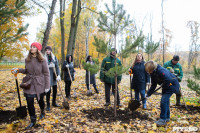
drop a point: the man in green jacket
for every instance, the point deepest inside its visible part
(175, 67)
(107, 63)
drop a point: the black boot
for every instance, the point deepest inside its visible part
(33, 122)
(96, 89)
(48, 107)
(42, 115)
(178, 99)
(54, 104)
(48, 100)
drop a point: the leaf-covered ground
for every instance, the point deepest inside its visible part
(88, 114)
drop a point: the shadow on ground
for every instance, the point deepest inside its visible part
(107, 115)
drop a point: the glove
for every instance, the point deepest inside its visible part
(14, 70)
(179, 79)
(147, 97)
(51, 65)
(130, 71)
(58, 78)
(118, 81)
(67, 65)
(148, 85)
(47, 90)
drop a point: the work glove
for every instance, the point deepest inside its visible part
(148, 85)
(130, 71)
(15, 71)
(67, 66)
(47, 90)
(51, 65)
(179, 79)
(58, 78)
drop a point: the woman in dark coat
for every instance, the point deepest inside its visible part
(92, 76)
(170, 85)
(53, 65)
(140, 78)
(68, 64)
(35, 67)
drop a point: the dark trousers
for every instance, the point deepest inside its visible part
(54, 95)
(67, 88)
(107, 92)
(94, 85)
(178, 97)
(30, 103)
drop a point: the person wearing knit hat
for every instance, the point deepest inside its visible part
(53, 66)
(37, 45)
(36, 69)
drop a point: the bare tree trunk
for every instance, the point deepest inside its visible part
(62, 14)
(87, 24)
(74, 26)
(163, 33)
(48, 27)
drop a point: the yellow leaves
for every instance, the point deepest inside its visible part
(154, 126)
(154, 110)
(151, 131)
(92, 8)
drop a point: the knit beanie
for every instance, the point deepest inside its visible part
(48, 47)
(37, 45)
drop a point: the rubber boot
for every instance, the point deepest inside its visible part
(178, 100)
(42, 115)
(96, 89)
(33, 122)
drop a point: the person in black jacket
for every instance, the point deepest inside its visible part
(92, 76)
(140, 78)
(68, 64)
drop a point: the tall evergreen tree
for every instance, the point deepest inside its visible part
(114, 22)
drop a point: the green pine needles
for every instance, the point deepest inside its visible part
(193, 85)
(92, 68)
(119, 70)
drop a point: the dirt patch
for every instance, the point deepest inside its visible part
(107, 115)
(8, 116)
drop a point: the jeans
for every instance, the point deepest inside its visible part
(107, 91)
(142, 93)
(164, 105)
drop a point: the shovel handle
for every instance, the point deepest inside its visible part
(20, 104)
(58, 84)
(153, 92)
(70, 78)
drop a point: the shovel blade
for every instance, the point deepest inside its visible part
(133, 104)
(21, 111)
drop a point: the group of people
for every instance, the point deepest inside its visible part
(167, 76)
(44, 70)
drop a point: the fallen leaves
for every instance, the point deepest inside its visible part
(88, 113)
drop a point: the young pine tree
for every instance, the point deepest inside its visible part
(192, 84)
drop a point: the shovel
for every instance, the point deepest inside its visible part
(136, 104)
(74, 94)
(64, 103)
(131, 102)
(21, 110)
